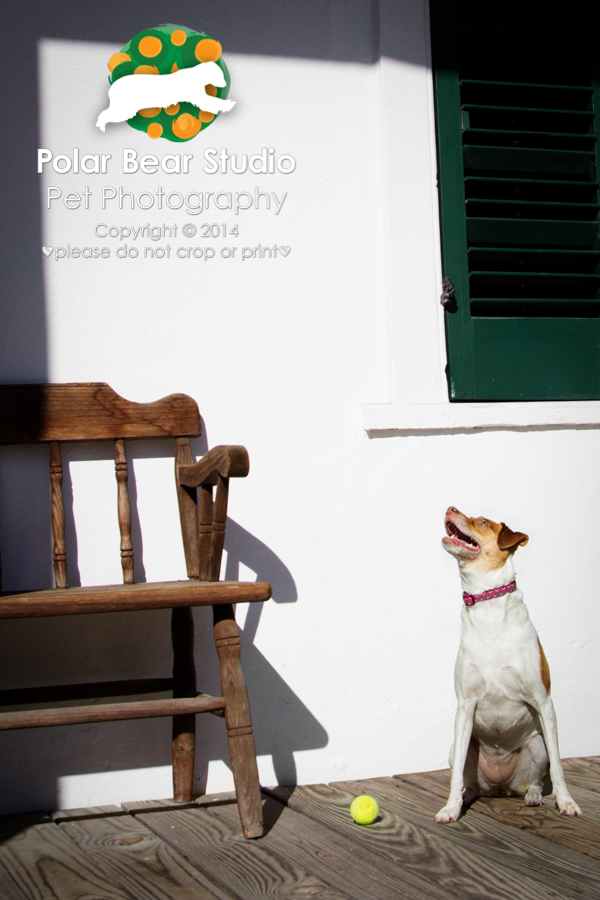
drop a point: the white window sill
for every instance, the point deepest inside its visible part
(436, 417)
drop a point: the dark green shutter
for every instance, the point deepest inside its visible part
(517, 87)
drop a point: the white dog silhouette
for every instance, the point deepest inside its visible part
(133, 92)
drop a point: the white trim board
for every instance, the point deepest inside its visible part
(423, 417)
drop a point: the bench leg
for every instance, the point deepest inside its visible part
(238, 721)
(184, 685)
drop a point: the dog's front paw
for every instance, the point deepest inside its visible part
(449, 813)
(533, 797)
(567, 806)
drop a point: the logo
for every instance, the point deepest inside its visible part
(170, 82)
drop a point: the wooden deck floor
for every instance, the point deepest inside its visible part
(155, 851)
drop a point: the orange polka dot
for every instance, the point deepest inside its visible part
(186, 126)
(155, 130)
(172, 110)
(146, 70)
(174, 68)
(150, 111)
(205, 116)
(116, 60)
(150, 46)
(211, 90)
(208, 50)
(178, 37)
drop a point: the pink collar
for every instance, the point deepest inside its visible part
(472, 599)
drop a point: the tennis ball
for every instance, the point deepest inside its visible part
(364, 810)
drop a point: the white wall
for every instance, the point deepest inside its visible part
(350, 665)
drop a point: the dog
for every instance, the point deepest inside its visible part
(505, 733)
(133, 92)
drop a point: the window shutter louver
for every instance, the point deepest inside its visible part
(516, 95)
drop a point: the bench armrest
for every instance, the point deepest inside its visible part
(227, 461)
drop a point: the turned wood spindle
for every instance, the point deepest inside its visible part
(205, 530)
(237, 718)
(124, 510)
(218, 527)
(184, 685)
(188, 509)
(57, 509)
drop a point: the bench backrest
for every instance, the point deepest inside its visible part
(50, 413)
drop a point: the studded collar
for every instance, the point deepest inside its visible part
(472, 599)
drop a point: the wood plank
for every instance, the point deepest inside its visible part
(580, 835)
(135, 806)
(408, 837)
(585, 768)
(42, 863)
(395, 843)
(546, 863)
(11, 825)
(588, 762)
(298, 845)
(140, 863)
(217, 799)
(589, 801)
(250, 870)
(88, 812)
(130, 597)
(578, 779)
(436, 782)
(94, 411)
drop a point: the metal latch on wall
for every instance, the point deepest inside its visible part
(448, 297)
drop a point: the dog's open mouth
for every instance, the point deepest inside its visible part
(457, 537)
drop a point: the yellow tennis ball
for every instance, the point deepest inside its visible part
(364, 809)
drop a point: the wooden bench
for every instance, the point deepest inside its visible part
(51, 413)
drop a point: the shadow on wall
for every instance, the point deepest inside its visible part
(282, 722)
(69, 649)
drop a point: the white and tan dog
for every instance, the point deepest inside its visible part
(505, 733)
(133, 92)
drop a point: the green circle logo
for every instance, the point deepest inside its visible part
(176, 108)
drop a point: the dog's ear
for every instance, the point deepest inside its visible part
(510, 540)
